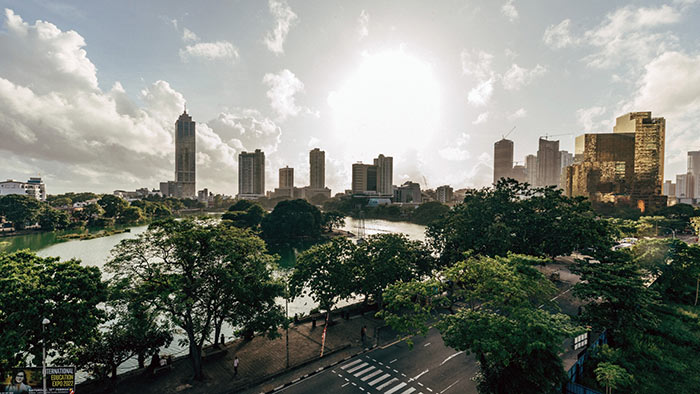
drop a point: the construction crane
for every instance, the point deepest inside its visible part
(546, 136)
(425, 182)
(508, 133)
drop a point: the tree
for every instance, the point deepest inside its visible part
(387, 258)
(515, 218)
(332, 219)
(292, 222)
(19, 209)
(675, 265)
(428, 212)
(131, 215)
(612, 376)
(325, 271)
(515, 340)
(197, 272)
(51, 219)
(34, 288)
(112, 205)
(250, 217)
(616, 296)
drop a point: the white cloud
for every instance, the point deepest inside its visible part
(454, 154)
(363, 22)
(517, 77)
(559, 36)
(588, 117)
(520, 113)
(284, 17)
(283, 86)
(508, 9)
(482, 118)
(477, 64)
(219, 50)
(481, 94)
(189, 36)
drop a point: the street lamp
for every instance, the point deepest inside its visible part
(44, 323)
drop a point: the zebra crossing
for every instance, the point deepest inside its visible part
(378, 376)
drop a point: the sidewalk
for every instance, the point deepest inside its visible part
(262, 361)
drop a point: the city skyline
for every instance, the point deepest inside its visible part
(356, 81)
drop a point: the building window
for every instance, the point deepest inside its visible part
(581, 341)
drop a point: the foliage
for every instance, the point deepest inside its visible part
(326, 272)
(52, 219)
(34, 288)
(675, 263)
(386, 258)
(515, 341)
(112, 205)
(197, 273)
(292, 222)
(21, 210)
(515, 218)
(332, 219)
(612, 376)
(428, 212)
(245, 215)
(695, 223)
(130, 215)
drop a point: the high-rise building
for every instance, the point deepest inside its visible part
(34, 187)
(566, 159)
(502, 159)
(444, 194)
(548, 163)
(317, 166)
(286, 178)
(409, 192)
(649, 145)
(385, 175)
(669, 189)
(185, 156)
(251, 174)
(531, 168)
(519, 173)
(694, 162)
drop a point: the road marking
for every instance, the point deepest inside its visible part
(347, 380)
(345, 384)
(380, 363)
(333, 370)
(364, 371)
(396, 371)
(355, 368)
(448, 387)
(420, 384)
(370, 376)
(451, 357)
(353, 383)
(392, 361)
(362, 388)
(409, 391)
(379, 379)
(387, 383)
(427, 344)
(419, 375)
(278, 388)
(429, 389)
(395, 389)
(350, 364)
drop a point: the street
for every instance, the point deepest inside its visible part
(430, 367)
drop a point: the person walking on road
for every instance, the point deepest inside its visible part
(235, 366)
(363, 334)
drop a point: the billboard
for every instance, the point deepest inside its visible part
(59, 380)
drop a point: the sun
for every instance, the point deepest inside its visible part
(389, 104)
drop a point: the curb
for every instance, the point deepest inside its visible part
(319, 370)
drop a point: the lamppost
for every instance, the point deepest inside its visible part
(44, 323)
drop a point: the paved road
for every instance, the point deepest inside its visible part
(429, 368)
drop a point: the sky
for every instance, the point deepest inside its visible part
(90, 90)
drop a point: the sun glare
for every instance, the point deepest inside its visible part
(390, 103)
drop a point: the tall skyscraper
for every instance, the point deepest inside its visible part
(286, 178)
(694, 162)
(502, 159)
(185, 157)
(531, 168)
(317, 166)
(548, 163)
(251, 174)
(385, 175)
(649, 145)
(364, 178)
(444, 194)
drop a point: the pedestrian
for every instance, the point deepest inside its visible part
(222, 339)
(235, 366)
(363, 333)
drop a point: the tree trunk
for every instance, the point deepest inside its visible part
(114, 371)
(195, 356)
(141, 359)
(217, 331)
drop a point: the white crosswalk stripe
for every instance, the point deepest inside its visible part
(353, 369)
(379, 379)
(396, 388)
(387, 383)
(373, 374)
(364, 371)
(409, 391)
(350, 364)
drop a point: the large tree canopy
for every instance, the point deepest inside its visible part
(34, 288)
(512, 217)
(198, 273)
(20, 210)
(292, 222)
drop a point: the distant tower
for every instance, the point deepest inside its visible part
(548, 163)
(502, 159)
(286, 178)
(649, 142)
(185, 156)
(531, 167)
(317, 164)
(385, 175)
(251, 174)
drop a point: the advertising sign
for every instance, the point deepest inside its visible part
(59, 380)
